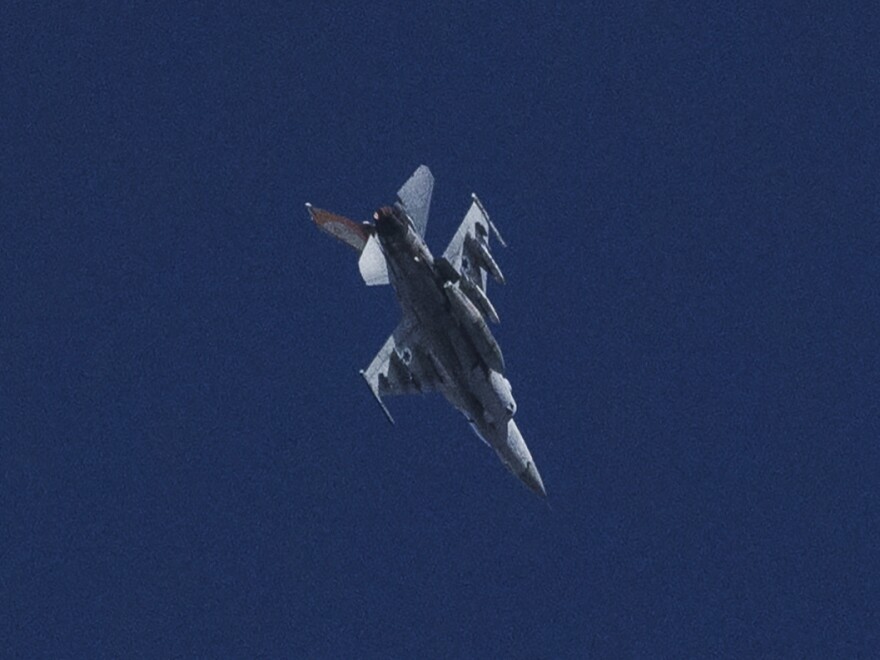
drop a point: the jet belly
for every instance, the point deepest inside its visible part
(461, 342)
(415, 282)
(411, 274)
(463, 349)
(443, 343)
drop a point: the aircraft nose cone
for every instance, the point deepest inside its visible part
(532, 479)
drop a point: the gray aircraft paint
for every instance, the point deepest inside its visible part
(442, 343)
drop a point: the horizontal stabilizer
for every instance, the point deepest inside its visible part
(415, 198)
(372, 264)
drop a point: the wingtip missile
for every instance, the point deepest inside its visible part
(377, 397)
(492, 226)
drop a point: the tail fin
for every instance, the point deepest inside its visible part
(343, 229)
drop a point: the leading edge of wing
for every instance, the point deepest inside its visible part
(401, 366)
(468, 252)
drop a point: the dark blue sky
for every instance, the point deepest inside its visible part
(191, 464)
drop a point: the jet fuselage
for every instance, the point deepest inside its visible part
(462, 349)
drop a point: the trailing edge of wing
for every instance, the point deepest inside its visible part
(401, 367)
(468, 251)
(488, 219)
(375, 390)
(339, 227)
(415, 198)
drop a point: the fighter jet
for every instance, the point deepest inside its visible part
(442, 343)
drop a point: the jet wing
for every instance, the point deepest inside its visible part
(402, 366)
(414, 198)
(468, 253)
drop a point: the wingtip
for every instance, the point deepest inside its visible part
(381, 403)
(489, 220)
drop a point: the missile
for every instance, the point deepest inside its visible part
(479, 298)
(481, 255)
(475, 326)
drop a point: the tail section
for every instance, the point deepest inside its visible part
(340, 228)
(415, 198)
(372, 264)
